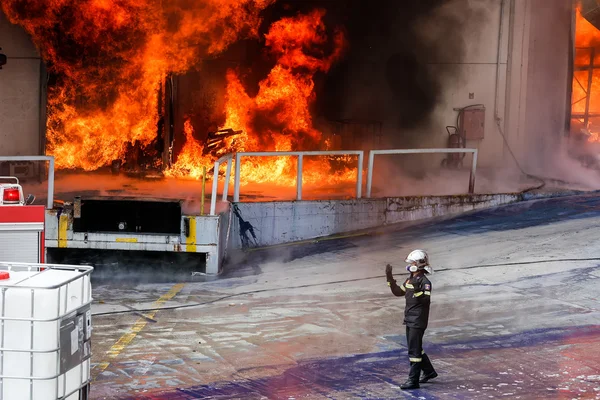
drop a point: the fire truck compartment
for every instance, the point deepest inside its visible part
(139, 226)
(141, 216)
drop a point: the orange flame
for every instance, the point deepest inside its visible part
(283, 100)
(278, 118)
(190, 161)
(112, 56)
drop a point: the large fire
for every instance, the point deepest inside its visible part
(112, 56)
(587, 43)
(278, 117)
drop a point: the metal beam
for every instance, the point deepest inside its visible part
(588, 92)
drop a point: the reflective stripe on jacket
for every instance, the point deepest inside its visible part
(417, 292)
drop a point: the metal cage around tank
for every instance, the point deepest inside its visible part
(63, 313)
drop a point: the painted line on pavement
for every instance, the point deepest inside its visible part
(136, 328)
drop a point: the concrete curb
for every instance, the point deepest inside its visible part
(402, 218)
(554, 194)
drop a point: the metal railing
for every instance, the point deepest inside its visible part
(215, 183)
(373, 153)
(300, 155)
(50, 159)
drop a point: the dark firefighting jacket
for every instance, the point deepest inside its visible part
(417, 292)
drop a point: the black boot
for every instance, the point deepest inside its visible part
(413, 377)
(428, 371)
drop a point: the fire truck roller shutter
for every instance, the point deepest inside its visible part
(22, 233)
(20, 246)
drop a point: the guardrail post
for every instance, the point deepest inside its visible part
(51, 183)
(359, 173)
(370, 172)
(236, 179)
(299, 178)
(215, 183)
(227, 179)
(473, 170)
(203, 191)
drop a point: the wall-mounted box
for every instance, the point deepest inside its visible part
(472, 123)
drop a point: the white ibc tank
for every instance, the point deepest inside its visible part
(34, 306)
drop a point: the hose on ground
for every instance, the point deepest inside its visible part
(199, 304)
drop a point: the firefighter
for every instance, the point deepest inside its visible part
(416, 289)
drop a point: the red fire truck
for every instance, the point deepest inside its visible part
(21, 224)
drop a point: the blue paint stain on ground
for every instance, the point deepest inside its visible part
(503, 218)
(378, 375)
(524, 215)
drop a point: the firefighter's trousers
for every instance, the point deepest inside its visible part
(416, 355)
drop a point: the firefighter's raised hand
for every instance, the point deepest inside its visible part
(388, 272)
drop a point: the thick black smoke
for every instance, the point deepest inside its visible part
(387, 72)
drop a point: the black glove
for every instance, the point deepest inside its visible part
(388, 273)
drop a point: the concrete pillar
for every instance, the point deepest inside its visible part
(538, 79)
(21, 106)
(516, 79)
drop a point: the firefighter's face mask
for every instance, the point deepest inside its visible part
(412, 268)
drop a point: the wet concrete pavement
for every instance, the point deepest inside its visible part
(515, 314)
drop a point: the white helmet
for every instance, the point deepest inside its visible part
(420, 259)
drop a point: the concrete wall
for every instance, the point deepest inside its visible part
(20, 93)
(516, 63)
(281, 222)
(480, 72)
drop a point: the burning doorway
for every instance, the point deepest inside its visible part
(124, 87)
